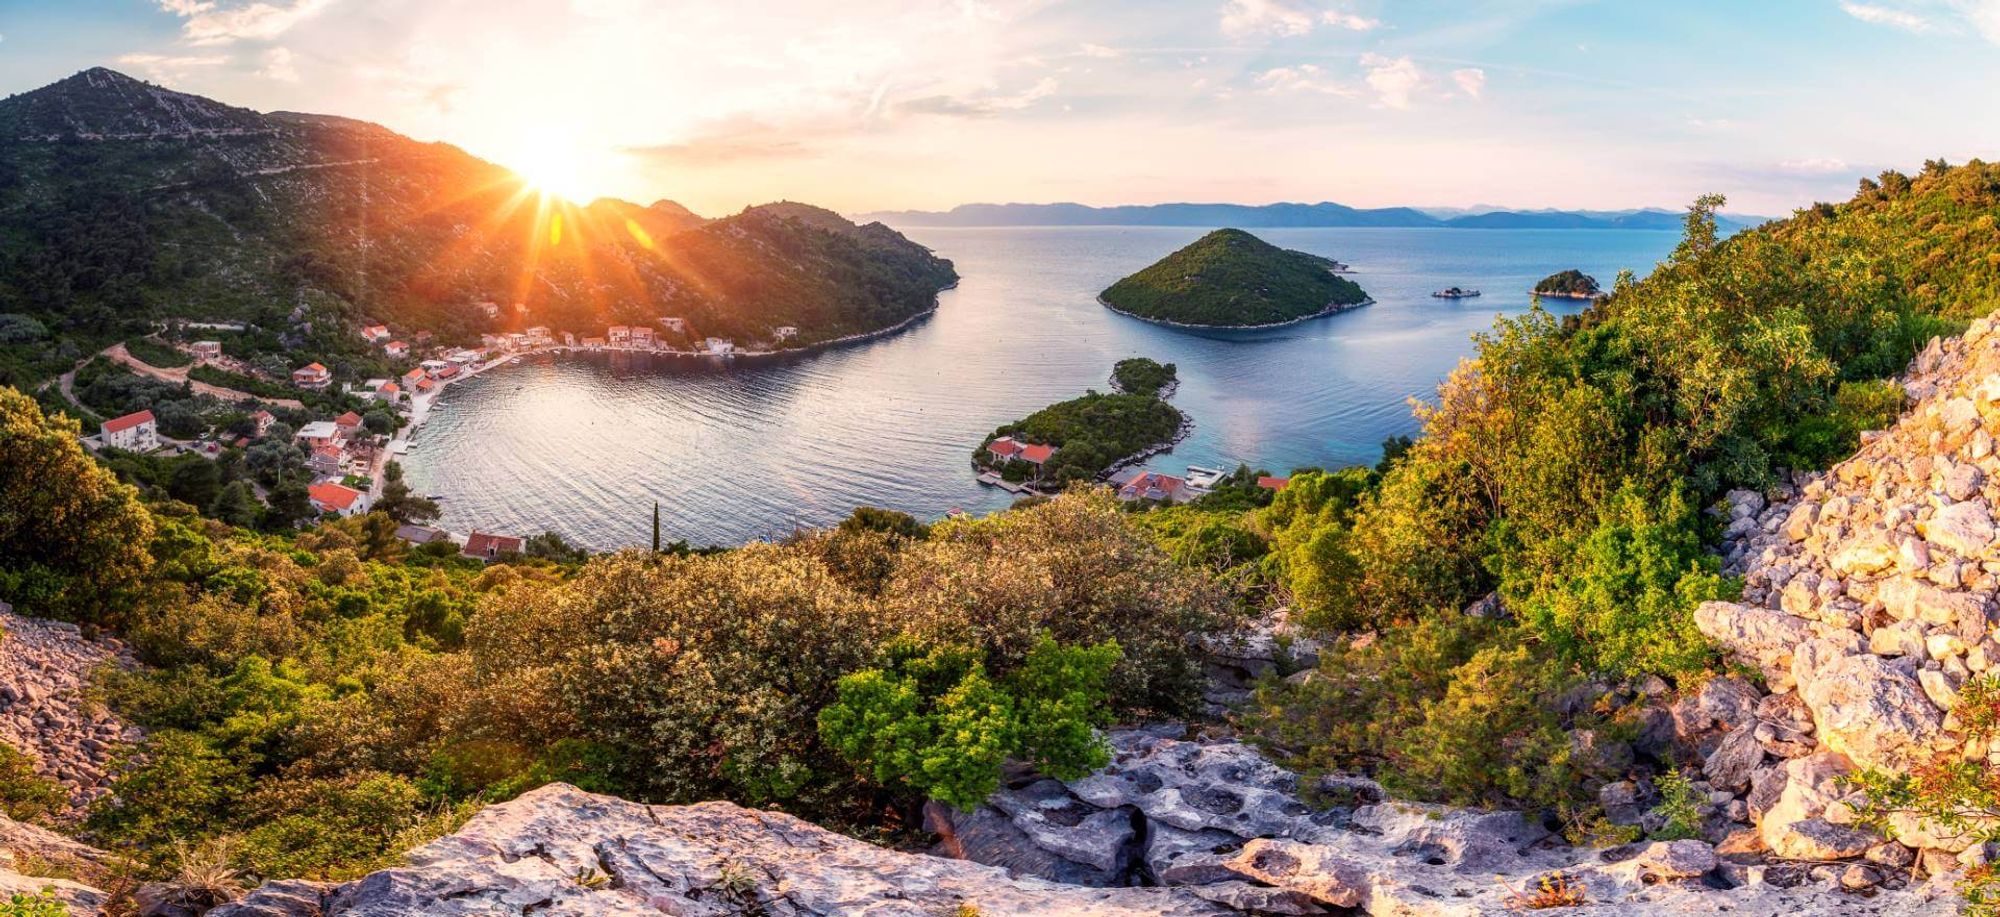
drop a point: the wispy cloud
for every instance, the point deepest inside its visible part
(1350, 21)
(1266, 17)
(982, 104)
(1102, 52)
(1470, 80)
(170, 68)
(1882, 15)
(208, 23)
(1304, 78)
(1394, 79)
(279, 65)
(1815, 165)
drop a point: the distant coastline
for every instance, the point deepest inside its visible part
(1291, 216)
(1331, 309)
(1565, 295)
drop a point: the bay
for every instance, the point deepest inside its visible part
(749, 448)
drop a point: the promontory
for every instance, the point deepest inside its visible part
(1232, 279)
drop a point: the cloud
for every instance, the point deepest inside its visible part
(210, 24)
(1098, 51)
(278, 65)
(1304, 78)
(170, 68)
(1394, 79)
(1882, 15)
(1818, 165)
(1470, 80)
(1266, 17)
(980, 105)
(1349, 21)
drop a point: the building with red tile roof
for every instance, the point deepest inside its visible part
(490, 547)
(1153, 485)
(1270, 483)
(1003, 449)
(328, 497)
(312, 375)
(1036, 454)
(138, 432)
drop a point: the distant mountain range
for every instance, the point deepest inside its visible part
(1269, 216)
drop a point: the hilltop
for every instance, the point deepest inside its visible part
(1230, 278)
(123, 203)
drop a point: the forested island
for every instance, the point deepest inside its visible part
(1083, 438)
(1569, 284)
(1232, 279)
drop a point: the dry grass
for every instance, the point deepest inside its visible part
(1553, 890)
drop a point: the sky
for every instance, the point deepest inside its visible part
(863, 105)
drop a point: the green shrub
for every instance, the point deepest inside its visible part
(933, 722)
(26, 795)
(42, 904)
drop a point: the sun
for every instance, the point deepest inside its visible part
(555, 164)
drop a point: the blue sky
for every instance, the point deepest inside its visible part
(868, 104)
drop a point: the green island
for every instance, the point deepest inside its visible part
(1141, 376)
(1569, 284)
(1084, 438)
(1232, 279)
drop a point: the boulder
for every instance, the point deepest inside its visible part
(1795, 827)
(1874, 713)
(1760, 635)
(1315, 871)
(1730, 765)
(1965, 529)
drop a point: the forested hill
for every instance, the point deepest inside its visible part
(123, 201)
(1230, 278)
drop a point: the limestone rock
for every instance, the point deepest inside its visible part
(1874, 713)
(560, 851)
(1966, 529)
(1765, 637)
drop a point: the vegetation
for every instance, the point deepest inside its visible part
(1092, 433)
(1230, 278)
(1569, 284)
(154, 353)
(1140, 376)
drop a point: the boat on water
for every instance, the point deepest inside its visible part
(1454, 293)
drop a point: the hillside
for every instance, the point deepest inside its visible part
(1569, 284)
(122, 202)
(1230, 278)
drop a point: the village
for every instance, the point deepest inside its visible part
(348, 457)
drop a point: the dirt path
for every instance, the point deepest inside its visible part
(179, 375)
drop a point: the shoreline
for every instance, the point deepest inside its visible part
(1334, 309)
(420, 409)
(1583, 296)
(1182, 433)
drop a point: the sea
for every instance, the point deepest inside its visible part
(738, 449)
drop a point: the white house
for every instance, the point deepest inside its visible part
(721, 346)
(136, 432)
(312, 375)
(396, 350)
(205, 350)
(328, 497)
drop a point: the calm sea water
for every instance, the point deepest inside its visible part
(749, 448)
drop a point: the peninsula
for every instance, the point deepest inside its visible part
(1232, 279)
(1088, 437)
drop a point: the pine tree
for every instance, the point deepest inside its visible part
(656, 526)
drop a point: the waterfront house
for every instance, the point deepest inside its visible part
(518, 342)
(389, 392)
(263, 420)
(396, 350)
(1003, 450)
(490, 547)
(569, 340)
(205, 350)
(539, 336)
(721, 346)
(464, 357)
(375, 334)
(328, 497)
(619, 334)
(433, 366)
(593, 343)
(411, 378)
(1036, 455)
(642, 335)
(785, 332)
(312, 376)
(1153, 485)
(1270, 483)
(450, 371)
(493, 341)
(138, 432)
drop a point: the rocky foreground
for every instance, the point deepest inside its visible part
(45, 712)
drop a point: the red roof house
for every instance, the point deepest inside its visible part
(1270, 483)
(138, 432)
(489, 547)
(328, 497)
(1036, 454)
(1004, 448)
